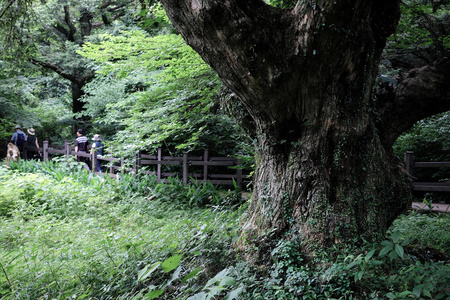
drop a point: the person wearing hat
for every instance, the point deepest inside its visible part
(19, 139)
(97, 145)
(33, 144)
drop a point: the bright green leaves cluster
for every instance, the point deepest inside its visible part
(156, 90)
(421, 25)
(394, 247)
(136, 49)
(218, 284)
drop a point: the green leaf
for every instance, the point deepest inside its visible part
(393, 255)
(399, 250)
(405, 293)
(390, 295)
(175, 276)
(405, 242)
(386, 243)
(171, 263)
(396, 236)
(351, 265)
(374, 263)
(191, 275)
(359, 275)
(217, 278)
(154, 294)
(228, 281)
(417, 291)
(233, 294)
(199, 296)
(145, 272)
(385, 250)
(426, 293)
(369, 255)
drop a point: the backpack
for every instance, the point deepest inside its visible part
(20, 139)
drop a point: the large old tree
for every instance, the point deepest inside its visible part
(306, 77)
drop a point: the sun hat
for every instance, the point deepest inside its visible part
(31, 131)
(17, 127)
(96, 137)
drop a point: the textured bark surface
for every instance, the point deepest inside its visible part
(420, 93)
(305, 77)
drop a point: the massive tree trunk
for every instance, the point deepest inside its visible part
(324, 171)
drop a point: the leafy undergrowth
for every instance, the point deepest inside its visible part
(85, 237)
(65, 234)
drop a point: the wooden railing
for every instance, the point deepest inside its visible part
(141, 163)
(410, 165)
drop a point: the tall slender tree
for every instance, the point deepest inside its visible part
(305, 76)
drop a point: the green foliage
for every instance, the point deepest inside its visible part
(66, 234)
(396, 273)
(421, 26)
(425, 230)
(428, 139)
(282, 3)
(164, 95)
(293, 275)
(216, 286)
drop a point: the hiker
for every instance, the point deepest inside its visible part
(81, 145)
(32, 145)
(97, 145)
(19, 139)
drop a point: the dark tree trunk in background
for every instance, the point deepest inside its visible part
(74, 25)
(306, 78)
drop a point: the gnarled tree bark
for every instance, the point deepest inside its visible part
(305, 76)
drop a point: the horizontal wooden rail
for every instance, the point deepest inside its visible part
(182, 163)
(410, 164)
(431, 186)
(431, 164)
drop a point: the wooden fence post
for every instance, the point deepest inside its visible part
(239, 172)
(205, 167)
(158, 166)
(137, 162)
(67, 149)
(409, 162)
(45, 151)
(185, 167)
(94, 160)
(111, 166)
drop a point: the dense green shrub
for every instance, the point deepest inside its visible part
(73, 235)
(429, 141)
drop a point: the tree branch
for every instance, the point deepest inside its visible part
(72, 28)
(421, 93)
(61, 29)
(80, 80)
(6, 8)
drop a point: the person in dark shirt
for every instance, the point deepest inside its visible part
(33, 144)
(19, 139)
(81, 145)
